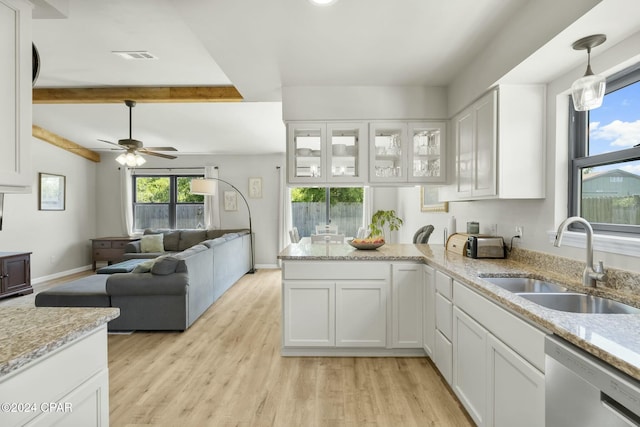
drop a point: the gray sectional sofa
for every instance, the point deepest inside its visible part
(170, 292)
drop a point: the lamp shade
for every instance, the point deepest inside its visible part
(130, 159)
(588, 92)
(203, 186)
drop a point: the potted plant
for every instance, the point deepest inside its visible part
(382, 219)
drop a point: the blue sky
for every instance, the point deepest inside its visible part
(616, 124)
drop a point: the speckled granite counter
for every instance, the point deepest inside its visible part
(614, 338)
(27, 333)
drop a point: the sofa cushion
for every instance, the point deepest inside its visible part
(152, 243)
(171, 241)
(164, 265)
(88, 291)
(190, 238)
(144, 267)
(213, 242)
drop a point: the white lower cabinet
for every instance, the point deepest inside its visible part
(428, 310)
(496, 363)
(469, 365)
(309, 313)
(516, 389)
(361, 314)
(406, 311)
(443, 356)
(443, 348)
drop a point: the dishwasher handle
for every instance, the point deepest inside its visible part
(620, 411)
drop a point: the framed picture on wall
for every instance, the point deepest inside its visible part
(230, 201)
(429, 200)
(255, 188)
(51, 192)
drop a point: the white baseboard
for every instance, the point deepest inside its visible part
(53, 276)
(266, 266)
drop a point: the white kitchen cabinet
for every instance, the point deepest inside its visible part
(499, 144)
(361, 313)
(15, 99)
(309, 313)
(321, 153)
(407, 152)
(470, 365)
(68, 387)
(428, 310)
(515, 394)
(406, 289)
(443, 352)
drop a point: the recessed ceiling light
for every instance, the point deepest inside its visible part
(322, 2)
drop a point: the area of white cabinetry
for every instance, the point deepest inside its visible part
(406, 312)
(499, 144)
(407, 152)
(309, 313)
(15, 102)
(321, 153)
(74, 379)
(428, 310)
(443, 349)
(498, 362)
(361, 313)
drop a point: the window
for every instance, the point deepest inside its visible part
(312, 206)
(166, 202)
(604, 151)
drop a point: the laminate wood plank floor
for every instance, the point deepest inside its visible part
(226, 370)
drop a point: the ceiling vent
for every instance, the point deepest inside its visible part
(134, 54)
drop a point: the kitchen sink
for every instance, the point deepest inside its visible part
(524, 284)
(579, 303)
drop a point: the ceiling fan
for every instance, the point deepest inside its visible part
(134, 148)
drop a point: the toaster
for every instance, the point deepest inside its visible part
(485, 247)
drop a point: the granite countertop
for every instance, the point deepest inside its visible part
(27, 333)
(614, 338)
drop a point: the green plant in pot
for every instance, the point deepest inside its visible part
(382, 220)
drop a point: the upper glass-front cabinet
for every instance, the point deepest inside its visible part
(326, 152)
(407, 152)
(427, 160)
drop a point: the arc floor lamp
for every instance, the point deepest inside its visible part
(206, 187)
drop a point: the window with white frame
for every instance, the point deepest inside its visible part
(604, 152)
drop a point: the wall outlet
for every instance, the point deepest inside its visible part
(519, 230)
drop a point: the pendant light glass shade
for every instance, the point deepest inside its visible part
(131, 159)
(588, 91)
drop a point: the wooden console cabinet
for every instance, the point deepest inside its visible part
(109, 249)
(15, 273)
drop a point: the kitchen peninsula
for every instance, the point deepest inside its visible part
(53, 365)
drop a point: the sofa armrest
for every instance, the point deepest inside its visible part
(127, 284)
(133, 247)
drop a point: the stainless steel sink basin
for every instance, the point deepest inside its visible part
(524, 284)
(580, 303)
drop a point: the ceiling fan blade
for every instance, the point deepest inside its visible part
(160, 148)
(112, 143)
(153, 153)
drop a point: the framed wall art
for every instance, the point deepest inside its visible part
(429, 200)
(255, 188)
(230, 201)
(51, 192)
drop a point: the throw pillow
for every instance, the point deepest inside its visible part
(152, 243)
(164, 265)
(143, 267)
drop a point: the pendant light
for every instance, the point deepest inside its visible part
(588, 91)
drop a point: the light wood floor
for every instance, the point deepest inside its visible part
(226, 370)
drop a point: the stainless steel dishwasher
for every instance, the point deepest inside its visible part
(583, 391)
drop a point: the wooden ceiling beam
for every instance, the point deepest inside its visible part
(149, 94)
(64, 143)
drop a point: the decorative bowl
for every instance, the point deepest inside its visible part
(365, 246)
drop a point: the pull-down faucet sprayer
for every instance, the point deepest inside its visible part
(591, 274)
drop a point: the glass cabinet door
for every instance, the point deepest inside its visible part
(427, 152)
(306, 152)
(345, 151)
(388, 152)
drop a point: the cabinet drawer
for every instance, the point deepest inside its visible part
(101, 244)
(443, 356)
(523, 338)
(107, 254)
(343, 270)
(444, 285)
(119, 244)
(444, 316)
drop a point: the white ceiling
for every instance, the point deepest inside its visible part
(258, 46)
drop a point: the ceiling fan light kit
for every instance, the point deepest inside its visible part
(132, 157)
(588, 91)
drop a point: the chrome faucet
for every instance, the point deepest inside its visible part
(591, 274)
